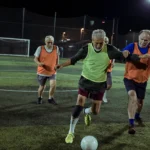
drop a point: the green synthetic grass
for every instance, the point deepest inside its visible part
(24, 125)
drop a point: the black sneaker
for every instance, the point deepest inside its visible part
(52, 101)
(140, 122)
(131, 130)
(39, 101)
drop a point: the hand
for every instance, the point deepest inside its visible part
(133, 58)
(41, 64)
(145, 56)
(125, 53)
(112, 65)
(58, 67)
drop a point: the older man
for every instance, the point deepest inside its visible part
(109, 74)
(136, 77)
(96, 57)
(47, 57)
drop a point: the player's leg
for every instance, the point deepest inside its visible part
(132, 103)
(96, 103)
(52, 82)
(82, 95)
(141, 90)
(109, 85)
(138, 118)
(42, 86)
(132, 107)
(109, 81)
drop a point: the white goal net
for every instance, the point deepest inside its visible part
(14, 46)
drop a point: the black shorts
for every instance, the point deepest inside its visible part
(91, 86)
(140, 88)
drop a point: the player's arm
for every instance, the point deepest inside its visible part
(81, 54)
(113, 63)
(132, 57)
(145, 56)
(58, 55)
(138, 64)
(36, 58)
(114, 53)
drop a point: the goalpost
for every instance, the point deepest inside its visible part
(14, 46)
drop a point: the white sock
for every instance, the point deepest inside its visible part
(88, 110)
(104, 96)
(73, 123)
(50, 97)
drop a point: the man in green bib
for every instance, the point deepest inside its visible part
(96, 57)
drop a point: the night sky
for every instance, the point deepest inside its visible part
(132, 14)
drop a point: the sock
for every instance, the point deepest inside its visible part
(131, 121)
(137, 115)
(104, 96)
(88, 110)
(73, 123)
(50, 97)
(39, 98)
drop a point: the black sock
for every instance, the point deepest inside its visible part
(39, 98)
(76, 111)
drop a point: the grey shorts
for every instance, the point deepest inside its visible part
(42, 79)
(109, 78)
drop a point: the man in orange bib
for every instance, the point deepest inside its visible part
(109, 75)
(47, 57)
(136, 77)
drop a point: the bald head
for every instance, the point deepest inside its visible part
(144, 38)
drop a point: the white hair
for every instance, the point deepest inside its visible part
(106, 40)
(99, 33)
(145, 31)
(49, 37)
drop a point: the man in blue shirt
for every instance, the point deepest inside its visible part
(130, 48)
(136, 77)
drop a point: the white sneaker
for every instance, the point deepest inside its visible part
(105, 100)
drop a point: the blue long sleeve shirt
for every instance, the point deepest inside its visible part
(130, 48)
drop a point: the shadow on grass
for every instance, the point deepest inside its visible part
(18, 109)
(109, 139)
(119, 147)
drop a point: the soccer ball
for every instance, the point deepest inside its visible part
(89, 143)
